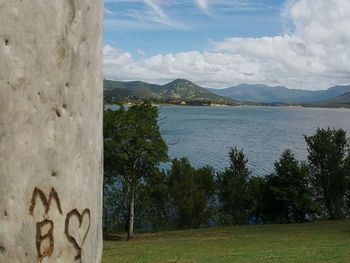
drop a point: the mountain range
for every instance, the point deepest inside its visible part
(267, 94)
(181, 91)
(339, 101)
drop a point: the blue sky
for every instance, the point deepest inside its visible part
(222, 43)
(134, 26)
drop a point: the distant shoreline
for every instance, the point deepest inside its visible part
(234, 106)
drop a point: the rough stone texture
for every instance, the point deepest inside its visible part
(50, 131)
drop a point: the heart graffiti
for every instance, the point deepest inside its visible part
(73, 236)
(77, 225)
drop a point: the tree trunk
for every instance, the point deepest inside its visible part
(51, 136)
(131, 212)
(330, 208)
(105, 221)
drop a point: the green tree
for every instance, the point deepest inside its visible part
(158, 200)
(328, 156)
(232, 185)
(191, 191)
(134, 148)
(289, 196)
(256, 194)
(114, 207)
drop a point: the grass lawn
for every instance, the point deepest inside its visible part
(324, 241)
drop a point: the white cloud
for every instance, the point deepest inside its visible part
(156, 8)
(203, 5)
(148, 16)
(315, 54)
(228, 6)
(159, 16)
(109, 12)
(240, 5)
(115, 57)
(207, 68)
(140, 52)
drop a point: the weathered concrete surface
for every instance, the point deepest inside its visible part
(50, 131)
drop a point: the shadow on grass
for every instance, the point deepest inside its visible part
(114, 237)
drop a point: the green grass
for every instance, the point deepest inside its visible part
(313, 242)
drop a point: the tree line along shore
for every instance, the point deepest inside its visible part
(139, 196)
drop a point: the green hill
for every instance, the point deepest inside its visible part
(179, 91)
(326, 241)
(340, 101)
(185, 89)
(267, 94)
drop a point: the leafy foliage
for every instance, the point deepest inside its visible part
(288, 194)
(257, 196)
(233, 189)
(328, 160)
(137, 192)
(158, 197)
(133, 147)
(191, 191)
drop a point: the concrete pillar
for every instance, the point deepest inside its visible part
(50, 131)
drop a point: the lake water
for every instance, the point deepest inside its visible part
(205, 134)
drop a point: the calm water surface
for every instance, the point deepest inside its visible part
(205, 134)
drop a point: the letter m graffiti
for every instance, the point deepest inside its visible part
(46, 201)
